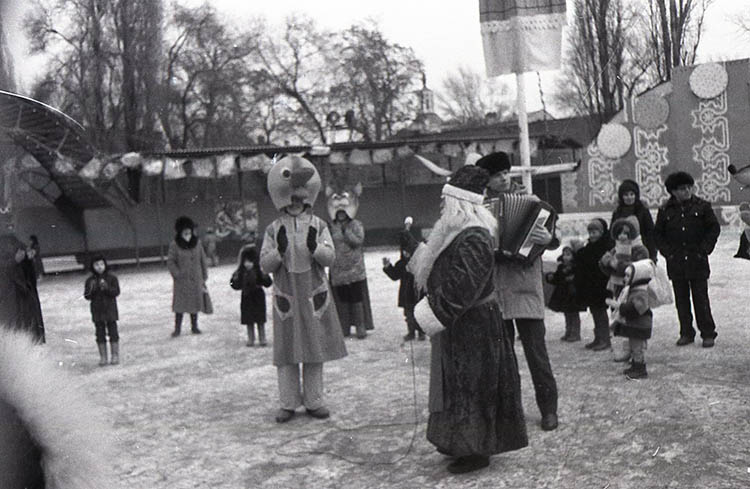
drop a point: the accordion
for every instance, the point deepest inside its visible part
(517, 215)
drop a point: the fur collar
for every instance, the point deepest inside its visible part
(186, 245)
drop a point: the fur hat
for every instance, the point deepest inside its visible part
(470, 178)
(630, 223)
(597, 223)
(182, 223)
(677, 179)
(628, 185)
(494, 162)
(248, 253)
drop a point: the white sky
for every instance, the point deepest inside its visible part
(444, 34)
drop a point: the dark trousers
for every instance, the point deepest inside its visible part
(601, 323)
(104, 328)
(532, 332)
(701, 304)
(411, 322)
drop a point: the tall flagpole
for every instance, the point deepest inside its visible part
(523, 126)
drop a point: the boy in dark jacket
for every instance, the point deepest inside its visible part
(686, 232)
(250, 280)
(633, 316)
(102, 289)
(591, 281)
(407, 292)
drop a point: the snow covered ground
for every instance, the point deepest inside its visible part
(197, 411)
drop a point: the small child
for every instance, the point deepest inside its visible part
(633, 318)
(563, 298)
(102, 288)
(407, 292)
(628, 249)
(250, 280)
(591, 281)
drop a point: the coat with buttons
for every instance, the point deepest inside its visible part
(189, 269)
(686, 233)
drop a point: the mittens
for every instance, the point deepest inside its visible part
(312, 239)
(282, 242)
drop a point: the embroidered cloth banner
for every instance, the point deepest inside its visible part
(521, 35)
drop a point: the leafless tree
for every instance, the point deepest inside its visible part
(468, 97)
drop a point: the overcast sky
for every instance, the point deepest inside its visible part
(444, 34)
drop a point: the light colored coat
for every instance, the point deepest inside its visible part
(349, 265)
(189, 270)
(306, 328)
(520, 289)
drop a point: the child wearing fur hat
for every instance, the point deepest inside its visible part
(407, 292)
(591, 281)
(628, 248)
(249, 279)
(629, 204)
(563, 298)
(102, 289)
(633, 318)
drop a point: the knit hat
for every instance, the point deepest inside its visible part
(467, 183)
(642, 270)
(677, 179)
(494, 162)
(628, 185)
(630, 223)
(183, 222)
(597, 223)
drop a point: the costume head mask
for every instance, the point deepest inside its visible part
(293, 176)
(343, 199)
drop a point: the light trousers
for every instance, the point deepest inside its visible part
(309, 392)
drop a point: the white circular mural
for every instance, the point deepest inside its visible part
(651, 111)
(708, 80)
(613, 140)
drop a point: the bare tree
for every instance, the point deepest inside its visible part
(7, 80)
(468, 97)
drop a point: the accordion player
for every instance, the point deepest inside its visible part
(517, 215)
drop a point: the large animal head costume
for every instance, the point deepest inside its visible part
(293, 176)
(343, 198)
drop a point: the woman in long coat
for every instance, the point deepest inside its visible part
(19, 299)
(188, 266)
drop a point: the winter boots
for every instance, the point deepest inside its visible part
(102, 354)
(572, 329)
(115, 347)
(601, 339)
(637, 370)
(177, 325)
(250, 335)
(194, 324)
(261, 335)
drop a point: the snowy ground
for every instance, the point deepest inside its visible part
(197, 411)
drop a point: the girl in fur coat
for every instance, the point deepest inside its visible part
(564, 298)
(250, 280)
(633, 318)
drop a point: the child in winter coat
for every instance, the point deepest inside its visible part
(563, 298)
(628, 249)
(591, 281)
(102, 289)
(407, 292)
(250, 280)
(633, 318)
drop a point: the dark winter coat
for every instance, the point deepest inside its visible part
(102, 291)
(564, 296)
(591, 281)
(636, 313)
(253, 301)
(686, 233)
(189, 268)
(407, 292)
(475, 391)
(19, 299)
(645, 221)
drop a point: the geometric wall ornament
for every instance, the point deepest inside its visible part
(651, 157)
(711, 153)
(708, 80)
(651, 111)
(613, 140)
(602, 184)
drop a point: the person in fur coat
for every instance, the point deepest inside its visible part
(475, 389)
(102, 289)
(250, 280)
(19, 299)
(564, 296)
(633, 317)
(297, 247)
(50, 438)
(628, 248)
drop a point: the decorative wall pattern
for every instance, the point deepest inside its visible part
(651, 157)
(711, 153)
(602, 184)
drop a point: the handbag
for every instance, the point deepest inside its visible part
(208, 306)
(659, 288)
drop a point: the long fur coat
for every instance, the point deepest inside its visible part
(50, 438)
